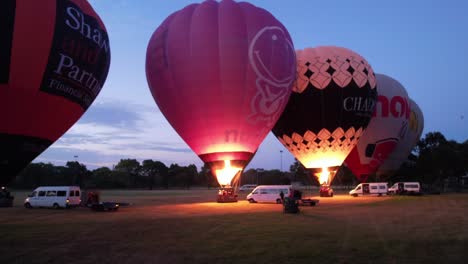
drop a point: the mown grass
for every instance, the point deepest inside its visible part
(427, 229)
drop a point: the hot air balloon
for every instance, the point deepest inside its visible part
(387, 127)
(404, 147)
(54, 60)
(221, 73)
(332, 102)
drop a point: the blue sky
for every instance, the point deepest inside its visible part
(422, 44)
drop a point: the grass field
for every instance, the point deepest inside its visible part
(186, 226)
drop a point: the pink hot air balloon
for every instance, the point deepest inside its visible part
(387, 127)
(405, 146)
(221, 73)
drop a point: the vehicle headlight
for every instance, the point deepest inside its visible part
(27, 199)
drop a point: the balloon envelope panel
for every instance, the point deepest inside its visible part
(57, 61)
(332, 102)
(387, 127)
(403, 149)
(221, 73)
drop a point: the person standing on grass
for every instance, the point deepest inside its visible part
(282, 196)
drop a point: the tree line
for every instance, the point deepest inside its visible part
(433, 162)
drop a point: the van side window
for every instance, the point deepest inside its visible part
(77, 193)
(358, 188)
(61, 193)
(51, 193)
(264, 191)
(42, 193)
(381, 187)
(373, 187)
(72, 193)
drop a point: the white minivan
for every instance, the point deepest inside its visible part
(54, 196)
(405, 188)
(269, 193)
(372, 188)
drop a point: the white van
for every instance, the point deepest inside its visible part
(372, 188)
(269, 193)
(405, 188)
(54, 196)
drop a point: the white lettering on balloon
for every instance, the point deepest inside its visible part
(272, 91)
(78, 23)
(85, 78)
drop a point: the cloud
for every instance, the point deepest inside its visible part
(112, 130)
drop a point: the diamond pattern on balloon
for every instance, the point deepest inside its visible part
(296, 138)
(309, 136)
(324, 134)
(288, 140)
(341, 77)
(310, 144)
(371, 77)
(302, 80)
(321, 78)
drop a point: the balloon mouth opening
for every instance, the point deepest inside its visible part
(227, 166)
(226, 173)
(325, 175)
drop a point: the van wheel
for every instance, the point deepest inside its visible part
(355, 195)
(331, 195)
(251, 200)
(278, 201)
(27, 205)
(56, 206)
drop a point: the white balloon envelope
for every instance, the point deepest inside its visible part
(387, 127)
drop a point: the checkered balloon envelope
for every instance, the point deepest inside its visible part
(331, 104)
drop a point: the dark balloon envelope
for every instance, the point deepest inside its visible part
(221, 73)
(55, 58)
(331, 104)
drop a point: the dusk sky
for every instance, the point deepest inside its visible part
(422, 44)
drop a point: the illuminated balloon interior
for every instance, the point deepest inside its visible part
(226, 174)
(326, 176)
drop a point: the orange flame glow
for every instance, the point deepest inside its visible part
(324, 176)
(226, 174)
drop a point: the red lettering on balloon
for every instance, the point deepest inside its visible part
(397, 107)
(382, 101)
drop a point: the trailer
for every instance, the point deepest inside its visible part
(105, 206)
(308, 201)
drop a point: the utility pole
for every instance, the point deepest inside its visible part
(281, 160)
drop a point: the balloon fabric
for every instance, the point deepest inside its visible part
(55, 58)
(221, 73)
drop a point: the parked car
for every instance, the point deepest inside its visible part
(326, 191)
(54, 196)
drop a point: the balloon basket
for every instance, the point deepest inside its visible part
(290, 206)
(226, 195)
